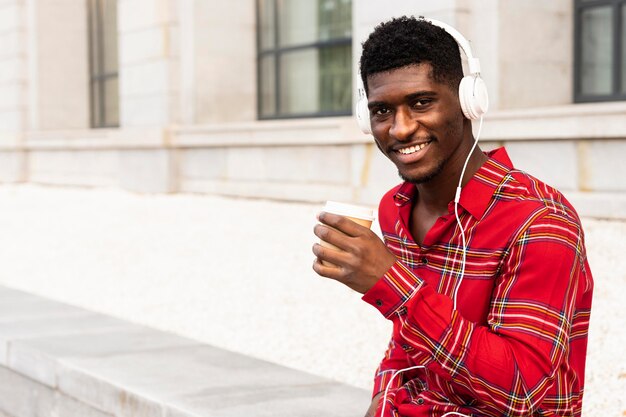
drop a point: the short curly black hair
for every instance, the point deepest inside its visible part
(408, 41)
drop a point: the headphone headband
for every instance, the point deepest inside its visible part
(473, 63)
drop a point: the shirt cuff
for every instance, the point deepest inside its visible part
(393, 290)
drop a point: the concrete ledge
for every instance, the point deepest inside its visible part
(572, 121)
(61, 360)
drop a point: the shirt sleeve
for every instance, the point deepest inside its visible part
(394, 360)
(395, 357)
(508, 364)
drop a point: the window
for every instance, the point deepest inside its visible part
(103, 87)
(304, 58)
(600, 50)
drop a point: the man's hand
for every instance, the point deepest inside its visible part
(362, 259)
(371, 412)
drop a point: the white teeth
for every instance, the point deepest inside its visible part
(412, 149)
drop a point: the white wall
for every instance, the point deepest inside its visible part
(535, 53)
(219, 65)
(13, 80)
(60, 58)
(14, 86)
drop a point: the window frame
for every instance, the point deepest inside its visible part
(618, 27)
(277, 51)
(97, 74)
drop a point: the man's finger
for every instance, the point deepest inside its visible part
(328, 271)
(334, 256)
(342, 223)
(332, 236)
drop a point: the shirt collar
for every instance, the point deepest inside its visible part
(477, 193)
(405, 194)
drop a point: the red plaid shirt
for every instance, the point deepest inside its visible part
(516, 344)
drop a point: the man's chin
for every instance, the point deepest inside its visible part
(421, 178)
(424, 176)
(415, 179)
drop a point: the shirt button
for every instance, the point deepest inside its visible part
(425, 260)
(379, 302)
(420, 401)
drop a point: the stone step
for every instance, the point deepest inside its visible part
(59, 360)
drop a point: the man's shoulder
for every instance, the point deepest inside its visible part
(528, 191)
(524, 190)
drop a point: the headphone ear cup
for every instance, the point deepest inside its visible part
(473, 97)
(363, 114)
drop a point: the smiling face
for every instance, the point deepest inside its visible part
(417, 122)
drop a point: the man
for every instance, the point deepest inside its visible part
(501, 333)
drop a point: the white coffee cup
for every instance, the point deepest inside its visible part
(358, 214)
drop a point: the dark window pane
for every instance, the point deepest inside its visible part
(335, 19)
(96, 118)
(597, 48)
(299, 80)
(267, 88)
(266, 24)
(111, 102)
(93, 36)
(109, 35)
(336, 78)
(316, 80)
(104, 62)
(297, 22)
(306, 21)
(623, 49)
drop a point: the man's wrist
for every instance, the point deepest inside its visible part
(393, 290)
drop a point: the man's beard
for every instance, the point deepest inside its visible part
(425, 177)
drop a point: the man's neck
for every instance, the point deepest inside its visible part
(435, 195)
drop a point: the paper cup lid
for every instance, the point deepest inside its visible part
(349, 210)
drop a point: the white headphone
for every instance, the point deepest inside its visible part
(472, 89)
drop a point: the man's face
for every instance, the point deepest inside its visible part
(417, 122)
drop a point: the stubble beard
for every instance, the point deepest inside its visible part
(426, 177)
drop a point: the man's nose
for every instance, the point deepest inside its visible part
(404, 125)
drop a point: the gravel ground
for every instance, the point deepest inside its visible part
(237, 274)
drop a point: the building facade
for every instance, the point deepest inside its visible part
(254, 98)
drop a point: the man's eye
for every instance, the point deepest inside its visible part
(380, 111)
(422, 102)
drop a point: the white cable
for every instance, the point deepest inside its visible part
(382, 412)
(457, 197)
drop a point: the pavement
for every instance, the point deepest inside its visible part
(235, 274)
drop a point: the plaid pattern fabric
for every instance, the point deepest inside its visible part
(517, 342)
